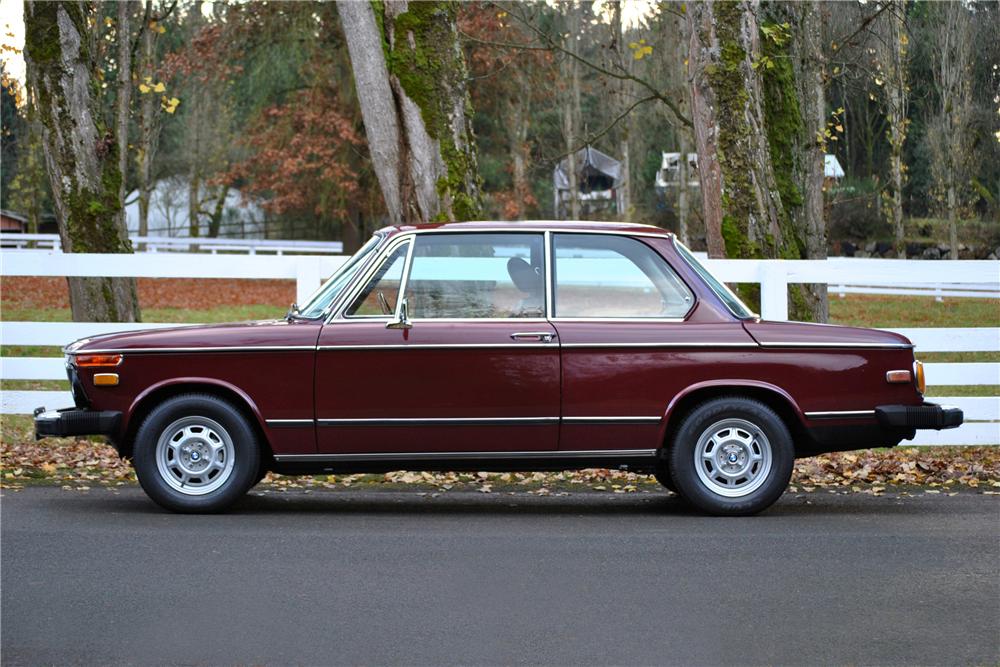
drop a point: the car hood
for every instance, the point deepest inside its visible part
(255, 334)
(803, 334)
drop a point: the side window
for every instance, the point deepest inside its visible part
(603, 276)
(477, 276)
(378, 298)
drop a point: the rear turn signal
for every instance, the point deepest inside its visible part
(98, 360)
(918, 375)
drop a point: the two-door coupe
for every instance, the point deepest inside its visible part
(499, 346)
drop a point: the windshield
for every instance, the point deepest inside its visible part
(732, 301)
(325, 295)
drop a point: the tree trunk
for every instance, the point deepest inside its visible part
(149, 124)
(81, 153)
(682, 188)
(948, 29)
(411, 80)
(740, 200)
(623, 99)
(894, 65)
(123, 62)
(809, 161)
(519, 110)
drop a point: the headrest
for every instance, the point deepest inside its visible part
(525, 278)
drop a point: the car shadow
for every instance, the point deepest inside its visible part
(456, 503)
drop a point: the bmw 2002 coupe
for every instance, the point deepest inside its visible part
(499, 346)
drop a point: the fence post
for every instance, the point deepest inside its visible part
(307, 278)
(773, 290)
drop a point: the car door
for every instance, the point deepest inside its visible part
(444, 348)
(630, 339)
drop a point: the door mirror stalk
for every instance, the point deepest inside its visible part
(402, 319)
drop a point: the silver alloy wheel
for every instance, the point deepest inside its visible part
(733, 458)
(195, 455)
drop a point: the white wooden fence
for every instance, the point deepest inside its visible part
(49, 242)
(982, 414)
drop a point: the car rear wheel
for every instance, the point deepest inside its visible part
(196, 453)
(731, 456)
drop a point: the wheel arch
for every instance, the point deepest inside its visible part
(161, 391)
(771, 395)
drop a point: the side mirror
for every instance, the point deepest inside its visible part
(402, 318)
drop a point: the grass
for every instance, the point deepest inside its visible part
(987, 390)
(885, 311)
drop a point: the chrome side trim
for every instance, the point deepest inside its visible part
(234, 348)
(441, 421)
(289, 423)
(429, 346)
(458, 456)
(681, 344)
(840, 414)
(611, 420)
(834, 344)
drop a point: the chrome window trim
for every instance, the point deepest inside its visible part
(621, 320)
(693, 264)
(550, 284)
(550, 304)
(444, 456)
(840, 414)
(325, 314)
(446, 320)
(354, 289)
(534, 227)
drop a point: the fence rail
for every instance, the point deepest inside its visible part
(982, 425)
(154, 244)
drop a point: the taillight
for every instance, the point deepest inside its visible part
(98, 360)
(918, 376)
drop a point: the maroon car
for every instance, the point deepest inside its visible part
(499, 346)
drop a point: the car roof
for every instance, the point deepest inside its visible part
(535, 225)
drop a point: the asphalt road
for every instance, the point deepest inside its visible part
(396, 578)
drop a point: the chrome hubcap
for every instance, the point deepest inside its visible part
(733, 458)
(195, 455)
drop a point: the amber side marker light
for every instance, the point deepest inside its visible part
(106, 379)
(918, 371)
(98, 360)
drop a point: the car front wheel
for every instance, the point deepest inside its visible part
(196, 453)
(731, 456)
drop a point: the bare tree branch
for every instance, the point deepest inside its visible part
(555, 46)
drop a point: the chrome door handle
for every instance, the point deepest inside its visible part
(542, 336)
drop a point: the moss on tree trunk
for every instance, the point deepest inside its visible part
(81, 153)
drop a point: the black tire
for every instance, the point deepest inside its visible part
(744, 456)
(662, 475)
(204, 426)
